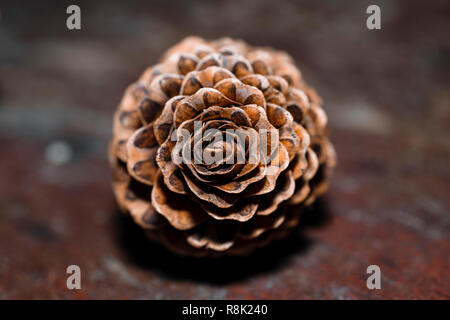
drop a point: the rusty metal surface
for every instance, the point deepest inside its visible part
(387, 97)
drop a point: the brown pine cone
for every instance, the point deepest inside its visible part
(223, 206)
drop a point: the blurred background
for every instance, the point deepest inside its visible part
(387, 97)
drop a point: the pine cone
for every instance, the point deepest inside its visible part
(219, 207)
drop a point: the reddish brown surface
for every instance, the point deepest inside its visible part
(386, 94)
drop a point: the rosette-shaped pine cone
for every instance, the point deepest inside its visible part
(213, 90)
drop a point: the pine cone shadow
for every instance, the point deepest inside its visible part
(220, 271)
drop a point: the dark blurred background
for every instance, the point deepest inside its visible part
(387, 97)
